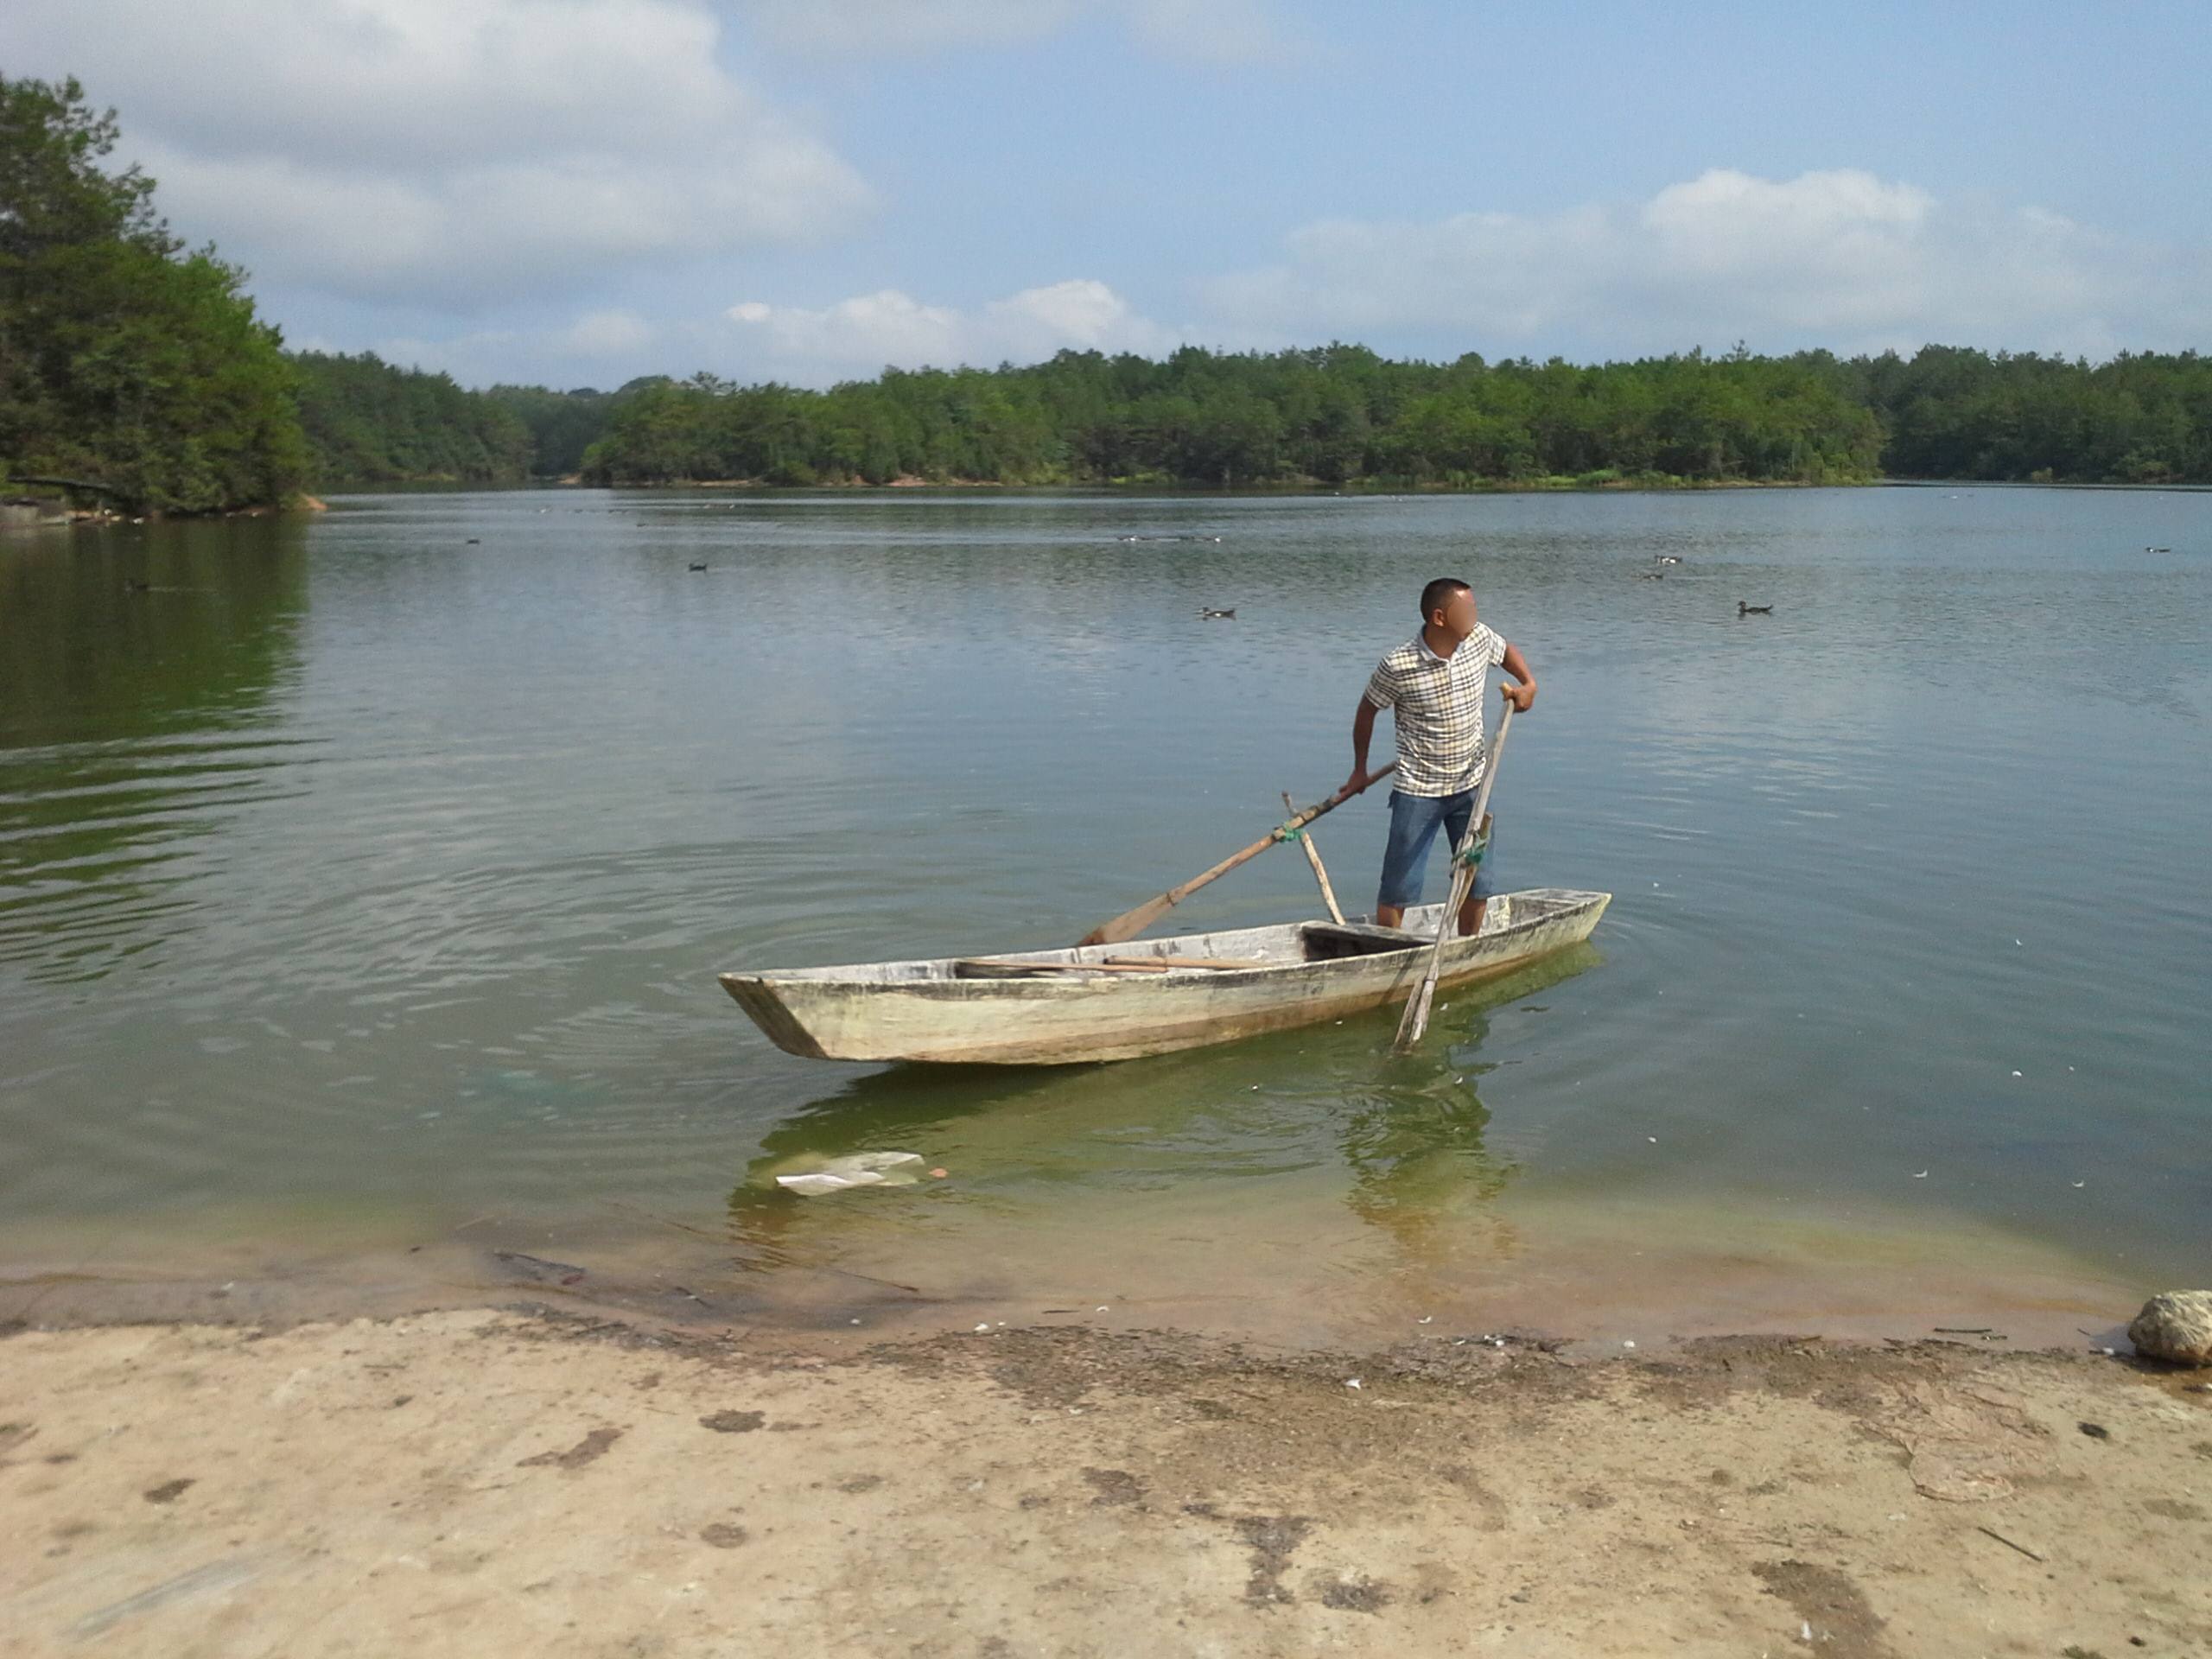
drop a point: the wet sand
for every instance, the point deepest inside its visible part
(599, 1479)
(1257, 1262)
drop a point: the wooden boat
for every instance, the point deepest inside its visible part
(1149, 996)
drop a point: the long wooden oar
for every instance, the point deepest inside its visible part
(1416, 1020)
(1130, 923)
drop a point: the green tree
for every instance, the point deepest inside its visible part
(371, 422)
(561, 425)
(125, 361)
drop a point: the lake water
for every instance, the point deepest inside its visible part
(363, 882)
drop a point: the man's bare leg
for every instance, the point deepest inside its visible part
(1471, 916)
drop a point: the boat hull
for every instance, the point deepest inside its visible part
(1078, 1010)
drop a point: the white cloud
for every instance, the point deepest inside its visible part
(852, 338)
(1221, 31)
(481, 232)
(448, 151)
(1216, 30)
(608, 334)
(902, 25)
(1839, 258)
(861, 335)
(603, 347)
(869, 330)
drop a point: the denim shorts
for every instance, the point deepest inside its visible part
(1415, 820)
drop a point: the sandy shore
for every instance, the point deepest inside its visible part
(478, 1482)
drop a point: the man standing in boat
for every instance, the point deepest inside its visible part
(1433, 684)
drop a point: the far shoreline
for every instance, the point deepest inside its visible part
(17, 529)
(1139, 489)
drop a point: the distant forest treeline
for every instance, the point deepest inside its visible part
(130, 364)
(1341, 415)
(1337, 415)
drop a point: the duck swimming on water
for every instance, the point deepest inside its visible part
(1742, 609)
(1212, 615)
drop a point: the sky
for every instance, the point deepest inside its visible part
(576, 192)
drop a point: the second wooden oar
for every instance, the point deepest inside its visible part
(1462, 883)
(1321, 870)
(1130, 923)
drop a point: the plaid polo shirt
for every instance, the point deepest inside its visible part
(1437, 705)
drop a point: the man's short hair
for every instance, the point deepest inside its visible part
(1437, 595)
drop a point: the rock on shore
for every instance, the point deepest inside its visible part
(2176, 1326)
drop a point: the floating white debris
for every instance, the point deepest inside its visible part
(861, 1169)
(984, 1326)
(1426, 1318)
(2081, 1184)
(2016, 1074)
(1102, 1310)
(1922, 1176)
(1628, 1345)
(1351, 1381)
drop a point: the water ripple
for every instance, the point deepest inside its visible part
(371, 869)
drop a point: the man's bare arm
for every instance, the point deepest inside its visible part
(1362, 733)
(1523, 694)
